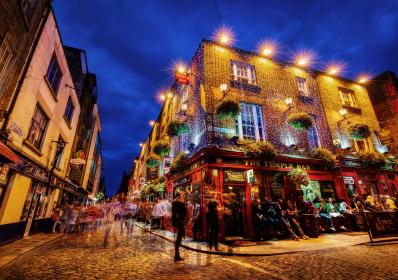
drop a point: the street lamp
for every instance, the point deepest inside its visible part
(224, 88)
(59, 148)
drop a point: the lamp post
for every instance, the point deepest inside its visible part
(60, 145)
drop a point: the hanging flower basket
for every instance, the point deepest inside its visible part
(298, 177)
(358, 131)
(153, 161)
(228, 109)
(177, 128)
(161, 148)
(372, 159)
(327, 158)
(300, 121)
(258, 150)
(178, 162)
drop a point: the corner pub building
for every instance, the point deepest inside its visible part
(268, 91)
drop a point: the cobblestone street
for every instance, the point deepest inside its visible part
(144, 256)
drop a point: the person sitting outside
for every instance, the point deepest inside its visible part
(346, 210)
(390, 204)
(292, 215)
(271, 217)
(323, 213)
(282, 215)
(333, 211)
(370, 204)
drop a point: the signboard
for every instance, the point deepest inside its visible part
(31, 169)
(234, 176)
(350, 163)
(250, 176)
(289, 165)
(4, 174)
(182, 77)
(348, 180)
(383, 223)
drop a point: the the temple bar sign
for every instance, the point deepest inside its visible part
(278, 164)
(234, 176)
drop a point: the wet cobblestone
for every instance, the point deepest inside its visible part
(144, 256)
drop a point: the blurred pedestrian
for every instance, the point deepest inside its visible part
(213, 225)
(179, 218)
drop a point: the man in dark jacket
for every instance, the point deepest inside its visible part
(212, 224)
(179, 218)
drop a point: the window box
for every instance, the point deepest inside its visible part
(245, 86)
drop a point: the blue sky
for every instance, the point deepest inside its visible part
(131, 46)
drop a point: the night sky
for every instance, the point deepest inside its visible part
(132, 45)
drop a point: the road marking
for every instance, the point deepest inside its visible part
(250, 266)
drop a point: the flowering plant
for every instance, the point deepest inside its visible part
(298, 177)
(326, 156)
(300, 121)
(358, 131)
(260, 149)
(372, 158)
(153, 160)
(161, 148)
(228, 109)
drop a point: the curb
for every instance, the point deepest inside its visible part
(10, 261)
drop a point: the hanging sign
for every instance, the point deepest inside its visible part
(234, 176)
(348, 180)
(182, 78)
(250, 176)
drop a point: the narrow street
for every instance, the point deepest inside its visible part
(144, 256)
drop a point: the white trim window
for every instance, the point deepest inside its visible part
(302, 86)
(347, 97)
(244, 73)
(250, 124)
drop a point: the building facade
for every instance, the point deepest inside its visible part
(270, 93)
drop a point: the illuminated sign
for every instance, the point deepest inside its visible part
(182, 78)
(234, 176)
(278, 164)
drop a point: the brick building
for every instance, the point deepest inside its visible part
(269, 92)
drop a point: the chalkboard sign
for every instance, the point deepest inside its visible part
(383, 223)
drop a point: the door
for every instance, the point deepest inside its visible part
(234, 201)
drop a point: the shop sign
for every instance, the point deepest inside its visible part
(348, 180)
(383, 223)
(290, 165)
(182, 78)
(4, 173)
(250, 176)
(31, 169)
(182, 181)
(234, 176)
(350, 163)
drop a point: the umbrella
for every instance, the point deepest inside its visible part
(162, 209)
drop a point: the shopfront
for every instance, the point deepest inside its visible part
(364, 181)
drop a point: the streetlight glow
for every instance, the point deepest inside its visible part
(181, 69)
(141, 144)
(223, 87)
(289, 101)
(343, 111)
(169, 95)
(333, 71)
(302, 61)
(162, 97)
(152, 123)
(362, 80)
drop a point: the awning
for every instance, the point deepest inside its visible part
(7, 154)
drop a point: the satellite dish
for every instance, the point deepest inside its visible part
(77, 161)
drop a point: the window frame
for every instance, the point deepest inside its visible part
(67, 118)
(351, 97)
(43, 130)
(55, 89)
(314, 129)
(306, 92)
(249, 69)
(256, 116)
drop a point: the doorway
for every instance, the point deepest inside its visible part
(234, 205)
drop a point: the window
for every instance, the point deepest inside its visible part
(302, 86)
(243, 72)
(37, 128)
(5, 57)
(250, 124)
(347, 97)
(364, 145)
(54, 74)
(28, 8)
(69, 110)
(313, 136)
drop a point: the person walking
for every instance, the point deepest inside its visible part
(213, 224)
(179, 217)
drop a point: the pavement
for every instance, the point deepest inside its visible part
(270, 247)
(146, 256)
(17, 248)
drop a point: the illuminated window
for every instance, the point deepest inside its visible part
(302, 86)
(313, 136)
(250, 124)
(38, 128)
(244, 73)
(347, 97)
(365, 145)
(54, 74)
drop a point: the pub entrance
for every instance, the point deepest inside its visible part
(234, 210)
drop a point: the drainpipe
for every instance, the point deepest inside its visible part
(26, 65)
